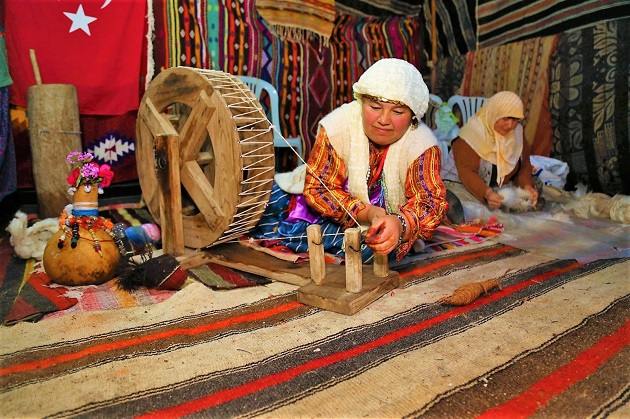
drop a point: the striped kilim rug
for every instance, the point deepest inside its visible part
(553, 342)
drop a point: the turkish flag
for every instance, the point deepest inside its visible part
(95, 45)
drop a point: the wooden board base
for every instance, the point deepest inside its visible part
(332, 295)
(243, 258)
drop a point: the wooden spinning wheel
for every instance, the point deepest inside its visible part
(205, 157)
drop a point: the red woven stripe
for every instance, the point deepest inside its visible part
(538, 395)
(227, 395)
(450, 261)
(105, 347)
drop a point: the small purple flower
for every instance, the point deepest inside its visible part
(90, 171)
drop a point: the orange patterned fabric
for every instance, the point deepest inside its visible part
(298, 20)
(523, 68)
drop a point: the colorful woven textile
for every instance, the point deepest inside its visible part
(556, 331)
(8, 174)
(523, 68)
(589, 106)
(503, 22)
(456, 27)
(185, 22)
(380, 8)
(298, 20)
(450, 237)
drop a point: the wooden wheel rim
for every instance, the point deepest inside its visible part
(225, 112)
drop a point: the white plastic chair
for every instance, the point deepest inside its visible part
(468, 105)
(435, 102)
(257, 86)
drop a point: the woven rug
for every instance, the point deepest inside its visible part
(28, 294)
(553, 342)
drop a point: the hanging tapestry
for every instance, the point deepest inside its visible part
(523, 68)
(501, 22)
(589, 106)
(358, 42)
(447, 76)
(187, 33)
(299, 20)
(380, 8)
(455, 26)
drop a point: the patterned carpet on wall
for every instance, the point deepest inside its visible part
(552, 342)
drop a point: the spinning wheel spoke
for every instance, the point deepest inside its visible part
(194, 132)
(202, 193)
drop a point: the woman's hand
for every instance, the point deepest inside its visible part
(383, 235)
(493, 199)
(533, 194)
(370, 212)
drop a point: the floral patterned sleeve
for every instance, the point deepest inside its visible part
(324, 184)
(426, 198)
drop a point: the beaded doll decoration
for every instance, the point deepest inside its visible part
(86, 180)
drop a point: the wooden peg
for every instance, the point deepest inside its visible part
(354, 262)
(316, 254)
(381, 266)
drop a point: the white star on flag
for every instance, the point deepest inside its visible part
(80, 20)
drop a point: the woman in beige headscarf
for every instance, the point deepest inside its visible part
(490, 151)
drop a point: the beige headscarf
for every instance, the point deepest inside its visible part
(491, 146)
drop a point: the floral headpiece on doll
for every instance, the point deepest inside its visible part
(87, 172)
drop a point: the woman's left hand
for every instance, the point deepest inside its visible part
(384, 234)
(533, 194)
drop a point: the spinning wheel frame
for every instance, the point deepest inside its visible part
(223, 150)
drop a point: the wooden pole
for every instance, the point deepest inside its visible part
(354, 262)
(38, 77)
(433, 43)
(316, 254)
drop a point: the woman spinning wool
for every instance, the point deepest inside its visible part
(373, 162)
(490, 152)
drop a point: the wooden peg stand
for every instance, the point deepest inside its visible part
(345, 291)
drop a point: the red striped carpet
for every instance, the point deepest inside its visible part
(553, 342)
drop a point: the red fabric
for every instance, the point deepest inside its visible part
(105, 64)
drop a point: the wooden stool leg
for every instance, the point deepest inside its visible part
(316, 254)
(354, 262)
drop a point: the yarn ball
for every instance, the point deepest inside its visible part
(143, 234)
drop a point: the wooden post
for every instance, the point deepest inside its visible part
(354, 262)
(167, 155)
(381, 267)
(168, 180)
(316, 254)
(433, 44)
(54, 132)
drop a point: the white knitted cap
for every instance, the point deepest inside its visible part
(395, 80)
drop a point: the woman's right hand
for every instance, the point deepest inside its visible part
(493, 199)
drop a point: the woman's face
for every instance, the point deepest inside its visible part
(385, 123)
(504, 126)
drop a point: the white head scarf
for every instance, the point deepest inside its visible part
(491, 146)
(394, 80)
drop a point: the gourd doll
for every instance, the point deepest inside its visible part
(84, 251)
